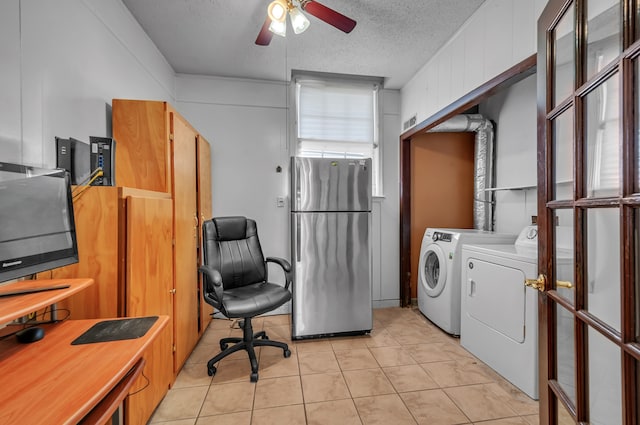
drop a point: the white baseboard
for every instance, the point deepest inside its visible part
(385, 303)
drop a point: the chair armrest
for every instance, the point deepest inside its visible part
(286, 267)
(213, 285)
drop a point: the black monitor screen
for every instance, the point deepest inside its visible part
(37, 230)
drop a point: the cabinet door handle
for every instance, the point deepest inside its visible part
(172, 291)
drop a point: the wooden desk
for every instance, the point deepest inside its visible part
(53, 382)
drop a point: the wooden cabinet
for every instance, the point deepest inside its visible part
(185, 217)
(125, 245)
(142, 131)
(140, 241)
(157, 149)
(148, 291)
(205, 211)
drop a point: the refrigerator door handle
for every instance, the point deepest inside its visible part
(297, 219)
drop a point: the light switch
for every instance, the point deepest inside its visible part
(280, 202)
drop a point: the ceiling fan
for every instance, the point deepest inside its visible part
(276, 22)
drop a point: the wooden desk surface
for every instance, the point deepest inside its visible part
(17, 306)
(53, 382)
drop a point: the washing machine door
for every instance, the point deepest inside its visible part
(433, 270)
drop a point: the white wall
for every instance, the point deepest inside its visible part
(10, 129)
(62, 63)
(386, 210)
(513, 112)
(246, 122)
(500, 34)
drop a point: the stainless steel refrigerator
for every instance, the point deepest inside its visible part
(331, 247)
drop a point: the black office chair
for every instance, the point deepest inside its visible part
(236, 283)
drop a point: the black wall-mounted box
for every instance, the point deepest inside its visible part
(73, 155)
(103, 154)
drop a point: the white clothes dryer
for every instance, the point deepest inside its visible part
(499, 314)
(439, 272)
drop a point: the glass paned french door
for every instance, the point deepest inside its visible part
(589, 194)
(563, 155)
(603, 266)
(602, 139)
(603, 34)
(564, 61)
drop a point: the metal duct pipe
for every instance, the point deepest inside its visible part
(483, 163)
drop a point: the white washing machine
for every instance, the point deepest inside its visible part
(439, 272)
(499, 320)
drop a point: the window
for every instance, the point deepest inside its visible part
(602, 137)
(338, 119)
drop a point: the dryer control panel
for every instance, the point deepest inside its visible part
(441, 236)
(528, 237)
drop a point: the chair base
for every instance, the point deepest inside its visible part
(248, 341)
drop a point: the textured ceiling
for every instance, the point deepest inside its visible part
(393, 38)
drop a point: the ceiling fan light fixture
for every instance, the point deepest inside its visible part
(299, 22)
(276, 20)
(277, 10)
(278, 28)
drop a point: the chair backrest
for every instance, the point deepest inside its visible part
(231, 245)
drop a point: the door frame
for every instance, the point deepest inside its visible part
(511, 76)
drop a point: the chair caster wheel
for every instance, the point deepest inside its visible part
(211, 370)
(223, 346)
(254, 377)
(287, 353)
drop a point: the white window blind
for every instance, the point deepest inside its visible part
(336, 112)
(338, 119)
(603, 137)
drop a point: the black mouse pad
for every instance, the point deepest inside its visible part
(115, 330)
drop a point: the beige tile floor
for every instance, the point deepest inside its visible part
(406, 372)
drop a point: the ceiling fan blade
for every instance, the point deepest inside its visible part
(330, 16)
(264, 36)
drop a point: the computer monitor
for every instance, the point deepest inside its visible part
(37, 231)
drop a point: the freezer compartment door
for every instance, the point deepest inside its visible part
(324, 184)
(332, 265)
